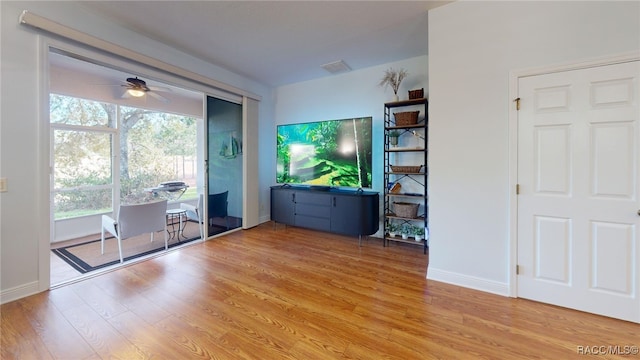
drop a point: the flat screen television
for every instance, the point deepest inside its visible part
(330, 153)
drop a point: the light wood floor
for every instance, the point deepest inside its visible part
(291, 293)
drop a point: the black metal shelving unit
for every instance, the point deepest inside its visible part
(418, 179)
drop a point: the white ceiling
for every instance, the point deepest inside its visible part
(280, 42)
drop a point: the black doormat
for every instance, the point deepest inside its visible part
(86, 257)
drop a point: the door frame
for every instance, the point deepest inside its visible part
(514, 77)
(197, 83)
(46, 46)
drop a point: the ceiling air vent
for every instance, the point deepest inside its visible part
(336, 67)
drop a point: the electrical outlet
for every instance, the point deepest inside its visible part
(3, 184)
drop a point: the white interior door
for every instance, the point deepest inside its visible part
(578, 208)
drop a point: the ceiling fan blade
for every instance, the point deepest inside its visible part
(112, 85)
(159, 97)
(159, 88)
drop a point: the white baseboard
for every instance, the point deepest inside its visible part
(19, 292)
(264, 219)
(467, 281)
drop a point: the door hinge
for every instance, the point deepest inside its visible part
(517, 269)
(517, 100)
(517, 189)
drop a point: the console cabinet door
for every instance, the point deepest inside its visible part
(283, 206)
(354, 215)
(370, 210)
(345, 214)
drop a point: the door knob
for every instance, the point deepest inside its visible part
(638, 212)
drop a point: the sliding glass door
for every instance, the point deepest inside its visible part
(224, 166)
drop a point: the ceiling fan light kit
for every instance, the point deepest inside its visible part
(135, 92)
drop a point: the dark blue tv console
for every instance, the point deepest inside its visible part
(341, 211)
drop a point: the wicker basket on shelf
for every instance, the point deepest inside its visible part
(405, 168)
(406, 209)
(406, 118)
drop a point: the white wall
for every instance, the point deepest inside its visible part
(24, 209)
(472, 48)
(353, 94)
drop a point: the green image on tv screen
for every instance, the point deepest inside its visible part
(326, 153)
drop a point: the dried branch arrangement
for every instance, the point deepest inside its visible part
(393, 78)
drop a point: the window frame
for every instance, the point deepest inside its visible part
(115, 161)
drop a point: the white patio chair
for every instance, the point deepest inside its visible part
(196, 213)
(134, 220)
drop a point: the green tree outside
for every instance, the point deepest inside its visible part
(154, 147)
